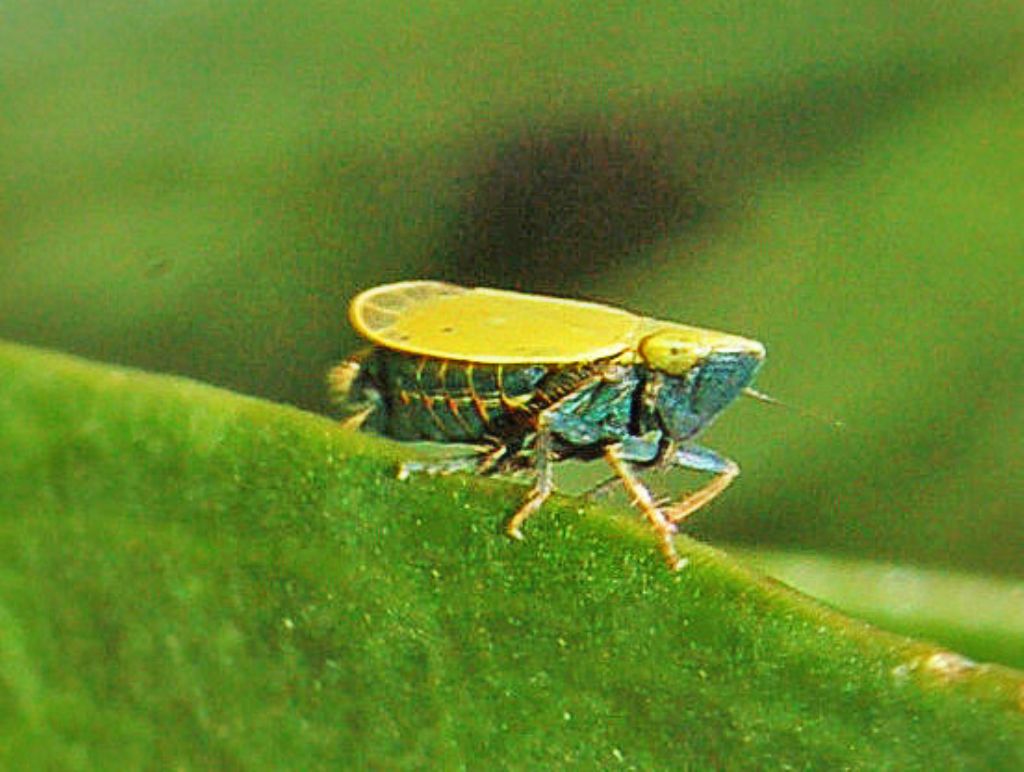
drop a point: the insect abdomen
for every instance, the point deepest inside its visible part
(422, 398)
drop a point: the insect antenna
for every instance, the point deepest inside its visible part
(760, 396)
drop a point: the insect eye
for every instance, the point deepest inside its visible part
(669, 354)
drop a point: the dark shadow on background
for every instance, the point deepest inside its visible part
(550, 208)
(553, 205)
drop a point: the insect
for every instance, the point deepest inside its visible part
(531, 380)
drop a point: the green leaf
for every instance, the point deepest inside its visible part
(982, 616)
(190, 577)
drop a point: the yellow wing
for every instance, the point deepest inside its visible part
(491, 326)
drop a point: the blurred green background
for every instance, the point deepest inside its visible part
(198, 188)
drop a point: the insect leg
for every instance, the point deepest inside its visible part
(634, 449)
(570, 428)
(488, 462)
(356, 420)
(701, 460)
(559, 417)
(481, 463)
(443, 466)
(663, 527)
(542, 488)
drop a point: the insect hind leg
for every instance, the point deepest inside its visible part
(483, 462)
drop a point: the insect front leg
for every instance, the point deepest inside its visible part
(638, 450)
(701, 460)
(562, 418)
(664, 528)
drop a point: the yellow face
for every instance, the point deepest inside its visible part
(677, 349)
